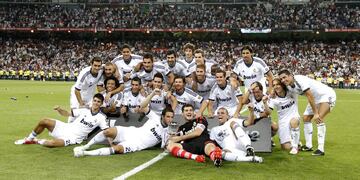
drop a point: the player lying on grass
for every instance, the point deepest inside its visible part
(64, 134)
(231, 137)
(192, 141)
(130, 139)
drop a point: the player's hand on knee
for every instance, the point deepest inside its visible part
(316, 118)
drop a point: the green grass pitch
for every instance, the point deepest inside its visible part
(35, 100)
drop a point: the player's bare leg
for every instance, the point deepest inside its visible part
(45, 123)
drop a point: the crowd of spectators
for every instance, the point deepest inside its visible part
(320, 59)
(313, 15)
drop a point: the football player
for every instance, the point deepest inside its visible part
(86, 120)
(321, 100)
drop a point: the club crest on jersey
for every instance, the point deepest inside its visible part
(221, 135)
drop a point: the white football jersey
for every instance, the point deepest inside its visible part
(86, 122)
(86, 83)
(318, 89)
(225, 136)
(208, 65)
(149, 76)
(258, 105)
(191, 66)
(255, 72)
(225, 97)
(124, 66)
(158, 102)
(131, 100)
(187, 97)
(152, 132)
(179, 69)
(204, 88)
(116, 98)
(287, 107)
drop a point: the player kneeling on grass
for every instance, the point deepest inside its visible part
(236, 144)
(130, 139)
(193, 140)
(286, 105)
(86, 120)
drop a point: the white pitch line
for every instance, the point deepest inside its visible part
(142, 166)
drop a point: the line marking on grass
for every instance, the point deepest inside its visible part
(142, 166)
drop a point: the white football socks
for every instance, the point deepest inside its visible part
(100, 152)
(308, 129)
(243, 138)
(295, 137)
(32, 135)
(321, 136)
(100, 137)
(228, 156)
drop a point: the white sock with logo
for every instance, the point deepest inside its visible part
(295, 137)
(100, 152)
(308, 129)
(100, 137)
(321, 136)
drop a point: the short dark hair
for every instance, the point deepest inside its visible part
(125, 46)
(187, 105)
(159, 75)
(117, 84)
(199, 51)
(189, 46)
(221, 71)
(284, 71)
(170, 52)
(258, 84)
(167, 109)
(99, 96)
(96, 58)
(201, 66)
(137, 79)
(180, 77)
(148, 56)
(214, 68)
(247, 47)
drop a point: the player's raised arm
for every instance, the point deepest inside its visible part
(270, 78)
(62, 111)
